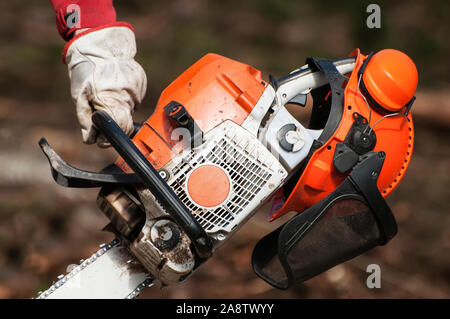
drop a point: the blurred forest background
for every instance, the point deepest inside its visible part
(44, 227)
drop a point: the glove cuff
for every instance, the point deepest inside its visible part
(111, 25)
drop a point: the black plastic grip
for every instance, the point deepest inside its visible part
(154, 182)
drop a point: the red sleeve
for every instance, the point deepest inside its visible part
(72, 15)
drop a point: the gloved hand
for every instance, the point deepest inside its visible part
(104, 76)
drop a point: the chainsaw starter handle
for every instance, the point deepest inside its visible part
(154, 182)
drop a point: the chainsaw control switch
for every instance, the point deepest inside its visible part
(181, 117)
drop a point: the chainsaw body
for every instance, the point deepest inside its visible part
(203, 140)
(219, 145)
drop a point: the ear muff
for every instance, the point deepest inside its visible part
(388, 81)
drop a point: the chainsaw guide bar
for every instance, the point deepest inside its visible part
(110, 273)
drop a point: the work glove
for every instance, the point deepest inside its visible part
(104, 76)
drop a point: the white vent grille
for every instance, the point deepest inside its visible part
(253, 171)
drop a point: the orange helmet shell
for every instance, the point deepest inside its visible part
(391, 79)
(395, 136)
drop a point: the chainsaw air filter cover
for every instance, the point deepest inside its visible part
(224, 181)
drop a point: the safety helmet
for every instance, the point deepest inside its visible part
(359, 158)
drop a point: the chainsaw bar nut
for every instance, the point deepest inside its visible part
(290, 138)
(165, 234)
(294, 138)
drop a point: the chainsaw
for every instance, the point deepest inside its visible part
(221, 143)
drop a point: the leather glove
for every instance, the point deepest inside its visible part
(104, 76)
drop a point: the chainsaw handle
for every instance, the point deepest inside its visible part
(154, 182)
(301, 81)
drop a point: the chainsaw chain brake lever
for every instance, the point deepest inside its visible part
(68, 176)
(154, 182)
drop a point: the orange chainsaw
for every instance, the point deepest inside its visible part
(221, 143)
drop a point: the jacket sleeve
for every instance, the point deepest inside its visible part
(72, 15)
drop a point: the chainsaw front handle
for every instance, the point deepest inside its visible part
(302, 80)
(154, 182)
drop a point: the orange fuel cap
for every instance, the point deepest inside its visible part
(389, 80)
(208, 185)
